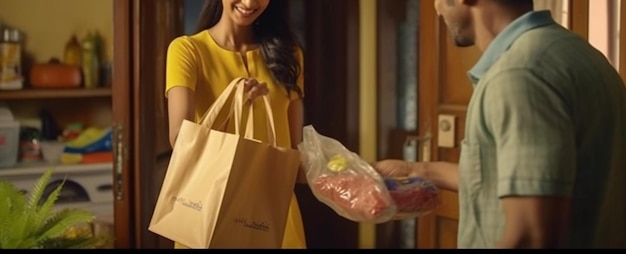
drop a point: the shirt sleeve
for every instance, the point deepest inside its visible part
(531, 123)
(181, 65)
(300, 81)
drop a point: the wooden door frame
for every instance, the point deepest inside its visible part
(136, 59)
(154, 25)
(122, 115)
(579, 17)
(429, 68)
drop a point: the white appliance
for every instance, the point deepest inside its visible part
(88, 187)
(9, 138)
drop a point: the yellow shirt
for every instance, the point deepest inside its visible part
(200, 64)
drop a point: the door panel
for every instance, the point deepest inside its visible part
(155, 24)
(444, 90)
(455, 62)
(142, 32)
(122, 116)
(331, 32)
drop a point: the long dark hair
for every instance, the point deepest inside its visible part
(273, 33)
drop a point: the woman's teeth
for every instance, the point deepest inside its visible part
(245, 11)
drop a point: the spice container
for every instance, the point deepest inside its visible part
(11, 59)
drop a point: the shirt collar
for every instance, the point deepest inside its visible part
(505, 39)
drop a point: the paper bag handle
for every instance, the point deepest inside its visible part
(249, 131)
(208, 119)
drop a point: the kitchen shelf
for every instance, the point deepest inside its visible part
(38, 168)
(68, 93)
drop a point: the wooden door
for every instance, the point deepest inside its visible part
(122, 117)
(331, 74)
(444, 90)
(143, 30)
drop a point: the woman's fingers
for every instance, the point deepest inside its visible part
(259, 89)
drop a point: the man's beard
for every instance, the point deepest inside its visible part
(459, 39)
(463, 42)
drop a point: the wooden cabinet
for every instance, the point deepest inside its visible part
(47, 30)
(87, 186)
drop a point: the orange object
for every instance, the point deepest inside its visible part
(357, 196)
(98, 157)
(55, 75)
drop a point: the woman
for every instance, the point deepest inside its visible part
(241, 38)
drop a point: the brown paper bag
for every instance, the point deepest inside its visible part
(225, 190)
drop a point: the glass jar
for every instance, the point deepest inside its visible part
(11, 59)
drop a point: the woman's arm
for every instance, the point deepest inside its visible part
(181, 106)
(181, 79)
(296, 121)
(296, 115)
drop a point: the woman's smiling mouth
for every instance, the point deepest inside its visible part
(245, 11)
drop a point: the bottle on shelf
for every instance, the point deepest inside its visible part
(73, 52)
(90, 61)
(11, 59)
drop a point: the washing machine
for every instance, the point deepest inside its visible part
(88, 187)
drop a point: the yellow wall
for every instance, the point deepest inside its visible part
(368, 100)
(49, 24)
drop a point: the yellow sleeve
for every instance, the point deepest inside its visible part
(300, 81)
(181, 65)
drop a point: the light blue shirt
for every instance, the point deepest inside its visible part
(503, 41)
(547, 118)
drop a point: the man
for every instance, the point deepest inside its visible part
(542, 163)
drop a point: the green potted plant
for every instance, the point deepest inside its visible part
(32, 223)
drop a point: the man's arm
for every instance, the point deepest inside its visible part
(534, 222)
(443, 174)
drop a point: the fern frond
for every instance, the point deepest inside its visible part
(17, 228)
(8, 195)
(38, 189)
(44, 212)
(79, 242)
(27, 223)
(13, 225)
(28, 243)
(62, 221)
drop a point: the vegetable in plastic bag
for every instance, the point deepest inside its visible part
(351, 187)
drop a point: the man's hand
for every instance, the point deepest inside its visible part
(443, 174)
(399, 169)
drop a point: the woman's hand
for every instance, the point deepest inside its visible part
(255, 89)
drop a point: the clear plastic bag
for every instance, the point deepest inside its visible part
(351, 187)
(414, 197)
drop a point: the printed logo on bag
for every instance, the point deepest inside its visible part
(189, 203)
(262, 226)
